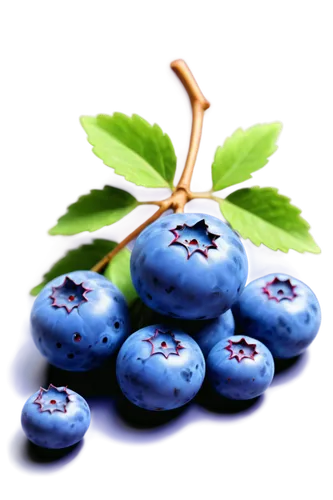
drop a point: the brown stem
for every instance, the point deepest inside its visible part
(199, 105)
(106, 259)
(204, 195)
(158, 203)
(181, 194)
(179, 200)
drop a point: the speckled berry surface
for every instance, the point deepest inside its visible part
(281, 311)
(55, 418)
(159, 368)
(240, 367)
(189, 266)
(78, 320)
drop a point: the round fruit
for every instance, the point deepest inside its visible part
(189, 266)
(159, 368)
(281, 311)
(78, 320)
(210, 332)
(240, 367)
(55, 417)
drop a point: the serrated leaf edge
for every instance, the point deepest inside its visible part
(79, 199)
(240, 130)
(164, 184)
(286, 250)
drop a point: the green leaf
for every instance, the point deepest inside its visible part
(243, 153)
(133, 148)
(264, 216)
(118, 271)
(83, 257)
(97, 209)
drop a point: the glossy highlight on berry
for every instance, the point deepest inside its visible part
(79, 320)
(189, 266)
(160, 369)
(55, 418)
(240, 368)
(280, 311)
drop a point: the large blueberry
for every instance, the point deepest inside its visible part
(55, 417)
(281, 311)
(240, 367)
(159, 368)
(190, 266)
(78, 320)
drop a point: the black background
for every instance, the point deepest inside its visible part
(57, 165)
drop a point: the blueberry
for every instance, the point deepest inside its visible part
(210, 332)
(240, 367)
(281, 311)
(78, 320)
(189, 267)
(159, 368)
(55, 417)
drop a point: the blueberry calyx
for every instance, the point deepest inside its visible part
(69, 294)
(196, 238)
(280, 290)
(53, 399)
(241, 349)
(164, 343)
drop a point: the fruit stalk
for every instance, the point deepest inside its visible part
(107, 258)
(181, 194)
(199, 105)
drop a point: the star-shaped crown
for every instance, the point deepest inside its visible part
(241, 349)
(280, 290)
(164, 343)
(194, 238)
(53, 399)
(69, 294)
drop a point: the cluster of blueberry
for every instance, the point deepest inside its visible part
(190, 269)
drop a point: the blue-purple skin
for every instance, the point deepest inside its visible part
(236, 377)
(83, 337)
(197, 280)
(210, 332)
(59, 420)
(287, 326)
(153, 381)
